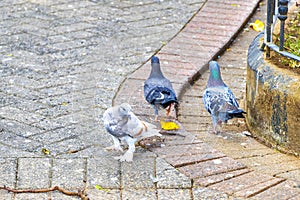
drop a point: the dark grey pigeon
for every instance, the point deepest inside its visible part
(158, 90)
(218, 99)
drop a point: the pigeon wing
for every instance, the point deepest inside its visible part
(159, 91)
(230, 99)
(212, 101)
(113, 124)
(219, 102)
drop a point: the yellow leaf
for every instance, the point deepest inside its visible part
(257, 25)
(99, 187)
(64, 103)
(235, 5)
(45, 151)
(9, 55)
(169, 125)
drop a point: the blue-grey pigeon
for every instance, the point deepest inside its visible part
(218, 99)
(158, 90)
(122, 124)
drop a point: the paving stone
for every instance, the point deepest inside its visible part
(33, 173)
(66, 146)
(169, 177)
(209, 180)
(211, 167)
(138, 173)
(139, 194)
(291, 175)
(267, 160)
(103, 171)
(248, 192)
(20, 115)
(174, 194)
(96, 137)
(104, 194)
(57, 135)
(179, 137)
(182, 160)
(8, 168)
(31, 196)
(180, 155)
(12, 152)
(18, 142)
(69, 173)
(274, 169)
(88, 152)
(205, 193)
(284, 190)
(243, 185)
(5, 195)
(60, 196)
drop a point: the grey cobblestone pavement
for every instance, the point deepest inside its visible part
(64, 62)
(61, 65)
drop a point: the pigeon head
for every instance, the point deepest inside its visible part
(155, 70)
(154, 59)
(215, 74)
(124, 109)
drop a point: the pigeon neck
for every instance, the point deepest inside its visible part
(156, 71)
(215, 79)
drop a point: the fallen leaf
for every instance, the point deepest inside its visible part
(46, 151)
(170, 125)
(257, 25)
(99, 187)
(235, 5)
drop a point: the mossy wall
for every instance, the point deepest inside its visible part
(272, 102)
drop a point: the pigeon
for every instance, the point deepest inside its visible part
(158, 90)
(123, 125)
(219, 100)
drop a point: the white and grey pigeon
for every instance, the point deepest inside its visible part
(158, 90)
(218, 99)
(123, 125)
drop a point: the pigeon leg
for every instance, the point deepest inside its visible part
(128, 156)
(220, 125)
(116, 146)
(215, 129)
(215, 124)
(168, 109)
(156, 112)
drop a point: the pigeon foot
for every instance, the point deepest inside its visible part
(114, 148)
(128, 157)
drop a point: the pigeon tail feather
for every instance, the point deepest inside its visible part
(161, 95)
(236, 113)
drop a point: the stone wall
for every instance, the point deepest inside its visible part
(272, 101)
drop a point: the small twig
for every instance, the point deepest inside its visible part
(80, 193)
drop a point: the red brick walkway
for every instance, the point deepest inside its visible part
(184, 60)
